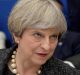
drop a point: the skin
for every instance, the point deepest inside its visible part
(35, 47)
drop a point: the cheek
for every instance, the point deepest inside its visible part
(29, 44)
(53, 46)
(27, 47)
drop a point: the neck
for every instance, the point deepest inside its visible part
(25, 67)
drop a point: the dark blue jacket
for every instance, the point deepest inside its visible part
(69, 45)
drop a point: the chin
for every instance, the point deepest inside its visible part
(40, 62)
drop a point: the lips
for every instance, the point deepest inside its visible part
(42, 54)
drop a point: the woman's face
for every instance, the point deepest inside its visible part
(37, 45)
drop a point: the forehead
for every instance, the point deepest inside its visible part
(47, 31)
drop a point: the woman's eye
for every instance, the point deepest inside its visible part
(37, 35)
(54, 37)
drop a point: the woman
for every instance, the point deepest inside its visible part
(35, 26)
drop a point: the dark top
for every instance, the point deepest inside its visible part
(51, 67)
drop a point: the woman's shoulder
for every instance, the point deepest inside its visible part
(5, 55)
(57, 67)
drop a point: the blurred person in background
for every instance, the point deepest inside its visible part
(2, 40)
(68, 48)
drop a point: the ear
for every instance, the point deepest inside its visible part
(16, 38)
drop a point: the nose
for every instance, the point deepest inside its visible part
(46, 44)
